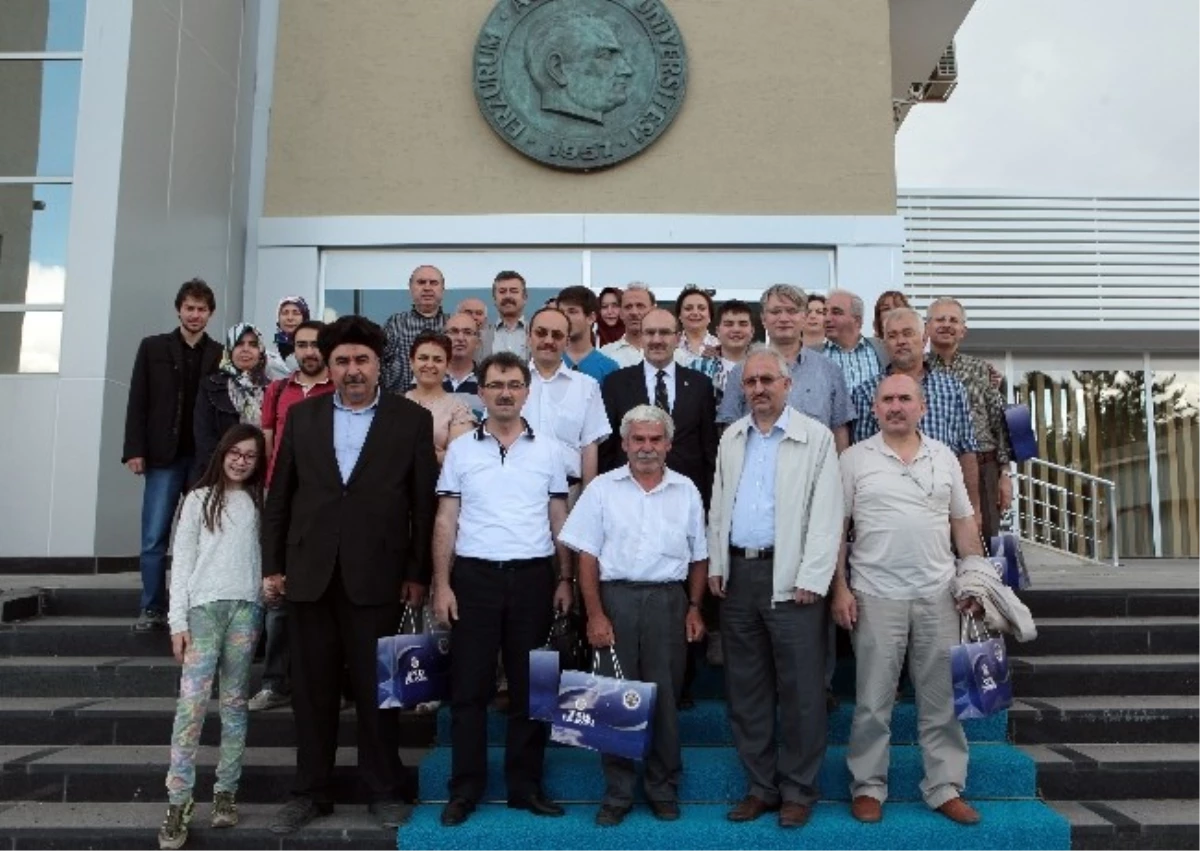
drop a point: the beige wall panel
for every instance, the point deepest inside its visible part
(787, 112)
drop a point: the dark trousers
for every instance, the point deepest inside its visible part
(275, 663)
(648, 621)
(327, 637)
(774, 654)
(989, 495)
(507, 612)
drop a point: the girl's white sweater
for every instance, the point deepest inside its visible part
(223, 564)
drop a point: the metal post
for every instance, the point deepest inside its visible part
(1094, 520)
(1112, 519)
(1064, 520)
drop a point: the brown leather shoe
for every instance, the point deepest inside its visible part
(866, 809)
(750, 808)
(958, 810)
(794, 814)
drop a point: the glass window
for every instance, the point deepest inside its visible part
(34, 219)
(732, 273)
(35, 26)
(40, 105)
(29, 342)
(1177, 443)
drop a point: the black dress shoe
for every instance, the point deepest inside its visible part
(665, 810)
(390, 814)
(296, 813)
(537, 804)
(611, 816)
(456, 812)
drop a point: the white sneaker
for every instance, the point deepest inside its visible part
(267, 699)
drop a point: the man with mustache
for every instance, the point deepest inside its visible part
(774, 530)
(308, 382)
(904, 492)
(509, 334)
(502, 502)
(636, 301)
(427, 286)
(686, 394)
(563, 403)
(643, 559)
(947, 416)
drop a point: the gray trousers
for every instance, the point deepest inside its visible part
(651, 644)
(928, 627)
(774, 653)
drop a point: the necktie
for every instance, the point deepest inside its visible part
(660, 392)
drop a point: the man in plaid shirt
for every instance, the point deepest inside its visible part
(428, 286)
(946, 325)
(948, 410)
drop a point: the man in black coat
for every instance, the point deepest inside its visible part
(686, 394)
(160, 443)
(346, 538)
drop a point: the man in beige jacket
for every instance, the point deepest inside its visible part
(774, 530)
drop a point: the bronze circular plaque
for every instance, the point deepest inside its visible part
(580, 84)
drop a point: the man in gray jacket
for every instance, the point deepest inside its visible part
(774, 531)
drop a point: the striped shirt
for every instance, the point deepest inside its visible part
(858, 364)
(399, 332)
(947, 415)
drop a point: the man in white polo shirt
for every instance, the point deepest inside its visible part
(563, 403)
(643, 562)
(502, 492)
(905, 493)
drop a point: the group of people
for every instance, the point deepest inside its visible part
(603, 453)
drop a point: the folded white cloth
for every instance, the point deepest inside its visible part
(1003, 611)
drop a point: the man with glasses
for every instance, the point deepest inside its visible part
(905, 493)
(460, 371)
(686, 394)
(563, 403)
(503, 501)
(817, 386)
(773, 536)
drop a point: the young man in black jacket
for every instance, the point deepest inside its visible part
(159, 442)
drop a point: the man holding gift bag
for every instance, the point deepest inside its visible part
(905, 493)
(643, 560)
(496, 581)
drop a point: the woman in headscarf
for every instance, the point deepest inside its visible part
(233, 394)
(609, 327)
(292, 311)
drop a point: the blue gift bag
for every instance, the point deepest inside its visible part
(979, 673)
(611, 715)
(413, 667)
(1020, 432)
(1006, 554)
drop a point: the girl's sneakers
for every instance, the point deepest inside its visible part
(174, 830)
(224, 810)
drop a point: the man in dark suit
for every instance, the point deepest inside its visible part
(686, 394)
(346, 537)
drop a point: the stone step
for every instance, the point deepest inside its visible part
(18, 604)
(35, 824)
(1077, 772)
(715, 774)
(1125, 635)
(89, 676)
(1050, 676)
(1137, 823)
(92, 602)
(55, 635)
(137, 774)
(1105, 719)
(1080, 603)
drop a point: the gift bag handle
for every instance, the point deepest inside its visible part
(411, 617)
(616, 665)
(970, 625)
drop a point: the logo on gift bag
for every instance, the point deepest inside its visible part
(631, 699)
(416, 675)
(579, 717)
(443, 646)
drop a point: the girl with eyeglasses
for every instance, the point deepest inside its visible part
(215, 617)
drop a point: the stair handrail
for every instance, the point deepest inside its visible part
(1094, 483)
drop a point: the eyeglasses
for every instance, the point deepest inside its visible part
(543, 333)
(511, 386)
(764, 380)
(238, 455)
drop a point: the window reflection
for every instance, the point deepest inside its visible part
(41, 25)
(30, 342)
(34, 220)
(1177, 440)
(40, 105)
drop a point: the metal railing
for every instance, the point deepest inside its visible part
(1066, 510)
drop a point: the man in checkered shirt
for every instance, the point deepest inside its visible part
(428, 286)
(948, 414)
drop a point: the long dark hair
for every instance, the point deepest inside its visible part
(214, 474)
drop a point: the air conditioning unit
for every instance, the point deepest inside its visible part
(944, 77)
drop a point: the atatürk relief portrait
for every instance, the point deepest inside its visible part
(577, 65)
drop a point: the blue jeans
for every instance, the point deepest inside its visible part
(164, 486)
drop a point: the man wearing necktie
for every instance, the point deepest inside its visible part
(686, 394)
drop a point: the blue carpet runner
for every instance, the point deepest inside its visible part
(1001, 784)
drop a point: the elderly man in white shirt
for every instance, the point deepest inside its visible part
(564, 403)
(774, 529)
(643, 558)
(906, 495)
